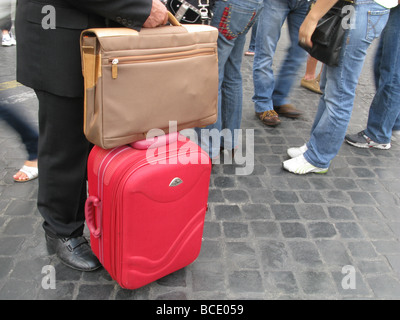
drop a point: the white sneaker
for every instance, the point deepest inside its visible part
(295, 152)
(8, 40)
(300, 165)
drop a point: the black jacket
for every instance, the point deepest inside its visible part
(49, 59)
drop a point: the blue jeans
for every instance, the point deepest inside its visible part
(27, 133)
(339, 84)
(384, 113)
(269, 92)
(233, 18)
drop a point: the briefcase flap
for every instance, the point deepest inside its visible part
(114, 39)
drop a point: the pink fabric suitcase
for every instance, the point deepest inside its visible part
(146, 207)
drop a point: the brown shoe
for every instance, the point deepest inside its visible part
(312, 85)
(288, 110)
(269, 117)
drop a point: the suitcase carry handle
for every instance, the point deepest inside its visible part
(155, 142)
(91, 203)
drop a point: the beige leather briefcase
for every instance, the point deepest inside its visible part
(138, 81)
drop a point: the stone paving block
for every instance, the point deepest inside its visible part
(366, 213)
(211, 230)
(241, 255)
(282, 282)
(227, 212)
(265, 229)
(20, 207)
(361, 249)
(349, 230)
(305, 253)
(95, 292)
(311, 211)
(392, 213)
(139, 294)
(384, 286)
(235, 229)
(394, 261)
(208, 276)
(334, 253)
(368, 267)
(245, 281)
(321, 229)
(284, 212)
(340, 213)
(293, 230)
(317, 283)
(256, 211)
(274, 254)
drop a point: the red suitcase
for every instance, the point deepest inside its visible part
(146, 207)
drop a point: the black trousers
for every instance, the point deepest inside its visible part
(62, 159)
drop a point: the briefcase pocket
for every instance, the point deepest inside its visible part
(159, 88)
(131, 60)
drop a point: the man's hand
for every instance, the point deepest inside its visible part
(158, 15)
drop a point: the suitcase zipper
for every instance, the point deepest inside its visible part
(100, 185)
(157, 58)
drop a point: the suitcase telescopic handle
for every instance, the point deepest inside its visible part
(156, 142)
(90, 212)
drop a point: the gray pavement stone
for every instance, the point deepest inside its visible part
(268, 235)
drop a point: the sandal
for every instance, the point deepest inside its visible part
(31, 173)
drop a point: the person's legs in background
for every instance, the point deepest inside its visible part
(233, 19)
(252, 45)
(310, 81)
(6, 24)
(294, 59)
(384, 113)
(29, 137)
(338, 85)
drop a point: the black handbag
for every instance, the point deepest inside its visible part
(191, 11)
(329, 34)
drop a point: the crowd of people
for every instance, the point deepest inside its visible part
(57, 80)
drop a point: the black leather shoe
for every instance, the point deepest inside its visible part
(73, 252)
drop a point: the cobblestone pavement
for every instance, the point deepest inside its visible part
(268, 235)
